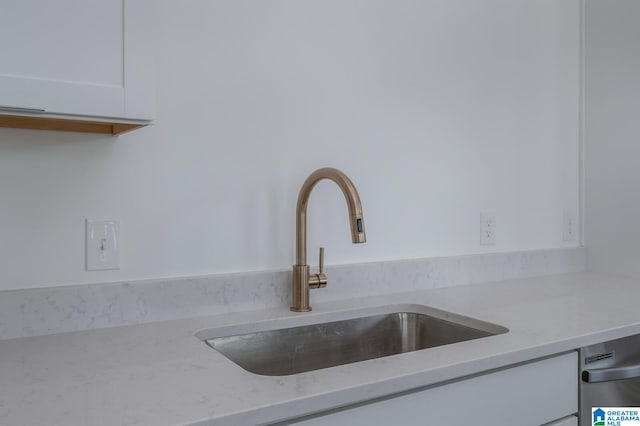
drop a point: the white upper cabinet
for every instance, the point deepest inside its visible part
(83, 58)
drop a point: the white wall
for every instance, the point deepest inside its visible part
(612, 143)
(436, 109)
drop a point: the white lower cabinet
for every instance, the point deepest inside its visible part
(538, 393)
(567, 421)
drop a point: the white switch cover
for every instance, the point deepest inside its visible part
(102, 245)
(487, 228)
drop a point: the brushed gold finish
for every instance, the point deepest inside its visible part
(301, 280)
(319, 280)
(300, 292)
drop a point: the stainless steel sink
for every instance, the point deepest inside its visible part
(291, 350)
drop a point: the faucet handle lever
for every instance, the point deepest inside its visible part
(319, 280)
(321, 261)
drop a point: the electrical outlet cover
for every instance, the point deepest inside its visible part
(569, 228)
(487, 228)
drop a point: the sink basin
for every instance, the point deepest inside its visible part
(291, 350)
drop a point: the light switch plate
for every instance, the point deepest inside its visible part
(102, 245)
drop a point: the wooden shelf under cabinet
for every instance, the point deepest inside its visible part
(66, 125)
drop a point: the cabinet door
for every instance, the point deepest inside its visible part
(567, 421)
(78, 57)
(528, 395)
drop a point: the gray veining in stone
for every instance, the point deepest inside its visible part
(163, 374)
(42, 311)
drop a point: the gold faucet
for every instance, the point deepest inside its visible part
(301, 280)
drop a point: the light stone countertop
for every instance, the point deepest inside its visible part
(161, 374)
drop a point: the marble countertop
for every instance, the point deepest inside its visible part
(161, 374)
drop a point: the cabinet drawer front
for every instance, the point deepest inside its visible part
(527, 395)
(567, 421)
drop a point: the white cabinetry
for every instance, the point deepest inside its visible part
(527, 395)
(80, 59)
(567, 421)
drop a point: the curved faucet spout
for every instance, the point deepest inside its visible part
(301, 280)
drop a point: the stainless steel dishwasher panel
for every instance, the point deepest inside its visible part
(610, 376)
